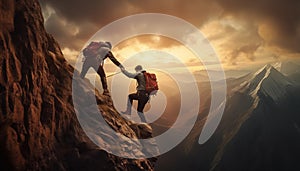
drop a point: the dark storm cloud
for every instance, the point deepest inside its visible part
(104, 11)
(60, 29)
(194, 11)
(281, 16)
(280, 19)
(97, 13)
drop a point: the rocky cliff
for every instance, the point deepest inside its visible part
(38, 125)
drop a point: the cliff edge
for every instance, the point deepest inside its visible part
(39, 129)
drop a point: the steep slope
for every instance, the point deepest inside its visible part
(267, 82)
(38, 125)
(259, 129)
(287, 67)
(292, 70)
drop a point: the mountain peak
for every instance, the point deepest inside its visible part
(265, 69)
(268, 81)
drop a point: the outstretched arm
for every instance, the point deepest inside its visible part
(128, 74)
(113, 59)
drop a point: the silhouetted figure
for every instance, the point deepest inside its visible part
(95, 54)
(141, 95)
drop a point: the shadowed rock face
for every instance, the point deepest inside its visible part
(38, 125)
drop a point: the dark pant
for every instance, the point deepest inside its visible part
(99, 68)
(142, 97)
(94, 62)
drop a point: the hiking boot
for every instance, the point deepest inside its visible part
(106, 92)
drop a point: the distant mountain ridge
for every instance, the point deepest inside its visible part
(269, 124)
(287, 67)
(259, 129)
(269, 82)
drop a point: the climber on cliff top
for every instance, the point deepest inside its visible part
(94, 55)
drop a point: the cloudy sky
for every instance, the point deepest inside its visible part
(245, 34)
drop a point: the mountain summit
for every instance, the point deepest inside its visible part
(259, 129)
(39, 129)
(268, 82)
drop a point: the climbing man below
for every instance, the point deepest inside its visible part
(142, 96)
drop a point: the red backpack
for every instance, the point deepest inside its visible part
(151, 82)
(92, 49)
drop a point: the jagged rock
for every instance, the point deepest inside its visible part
(38, 125)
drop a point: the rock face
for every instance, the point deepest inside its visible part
(38, 125)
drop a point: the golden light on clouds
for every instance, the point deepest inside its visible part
(143, 43)
(244, 34)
